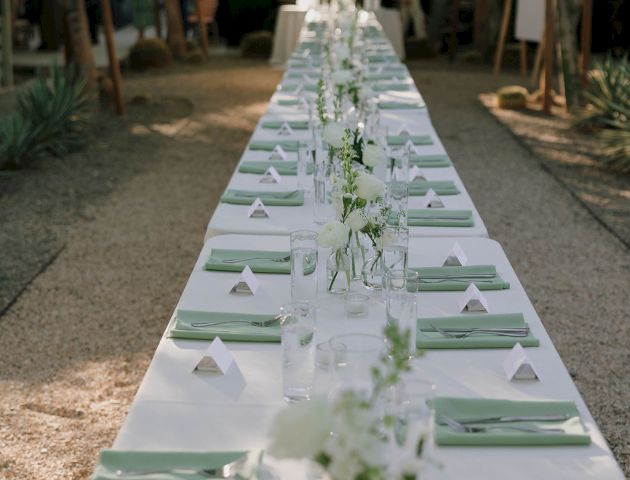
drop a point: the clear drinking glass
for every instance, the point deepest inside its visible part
(402, 309)
(304, 265)
(362, 352)
(298, 350)
(398, 170)
(395, 247)
(323, 210)
(407, 280)
(304, 159)
(397, 199)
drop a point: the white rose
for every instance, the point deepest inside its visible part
(356, 220)
(369, 187)
(341, 77)
(373, 155)
(333, 134)
(333, 234)
(301, 430)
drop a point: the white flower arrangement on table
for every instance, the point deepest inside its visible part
(352, 437)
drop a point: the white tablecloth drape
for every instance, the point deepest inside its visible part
(287, 34)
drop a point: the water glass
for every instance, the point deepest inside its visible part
(304, 160)
(304, 265)
(398, 170)
(323, 210)
(298, 350)
(406, 280)
(397, 199)
(402, 310)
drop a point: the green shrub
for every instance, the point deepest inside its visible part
(148, 53)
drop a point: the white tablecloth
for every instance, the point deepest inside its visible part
(287, 34)
(389, 18)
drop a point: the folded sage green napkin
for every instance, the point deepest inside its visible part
(234, 332)
(439, 217)
(372, 77)
(473, 408)
(111, 461)
(263, 261)
(429, 337)
(309, 87)
(289, 102)
(312, 76)
(283, 167)
(269, 145)
(454, 278)
(441, 187)
(294, 124)
(429, 161)
(415, 139)
(399, 105)
(382, 58)
(397, 87)
(293, 198)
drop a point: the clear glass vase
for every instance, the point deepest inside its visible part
(359, 255)
(339, 270)
(372, 272)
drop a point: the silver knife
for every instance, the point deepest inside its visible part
(515, 418)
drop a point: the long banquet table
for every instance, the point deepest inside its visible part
(176, 409)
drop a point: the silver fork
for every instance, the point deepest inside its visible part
(269, 322)
(453, 279)
(238, 260)
(267, 194)
(461, 428)
(501, 333)
(227, 471)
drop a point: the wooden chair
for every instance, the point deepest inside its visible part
(208, 12)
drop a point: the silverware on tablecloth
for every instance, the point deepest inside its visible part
(238, 260)
(227, 471)
(267, 194)
(453, 279)
(515, 418)
(269, 322)
(463, 275)
(461, 428)
(481, 331)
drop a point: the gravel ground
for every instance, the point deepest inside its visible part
(76, 343)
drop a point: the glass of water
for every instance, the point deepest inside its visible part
(395, 247)
(298, 350)
(397, 199)
(303, 265)
(401, 306)
(323, 210)
(304, 160)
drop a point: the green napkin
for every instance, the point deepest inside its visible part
(379, 76)
(469, 408)
(274, 199)
(382, 58)
(313, 76)
(399, 105)
(441, 187)
(229, 332)
(439, 217)
(309, 87)
(289, 102)
(284, 167)
(294, 124)
(112, 460)
(258, 265)
(415, 139)
(458, 278)
(428, 337)
(397, 87)
(429, 161)
(269, 145)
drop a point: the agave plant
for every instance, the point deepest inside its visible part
(18, 141)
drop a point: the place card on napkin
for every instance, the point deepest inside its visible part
(271, 175)
(410, 148)
(248, 283)
(257, 209)
(278, 153)
(404, 130)
(518, 366)
(432, 200)
(473, 300)
(216, 359)
(416, 174)
(285, 130)
(456, 257)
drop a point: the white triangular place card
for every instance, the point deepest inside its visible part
(248, 284)
(410, 148)
(285, 130)
(473, 300)
(403, 130)
(216, 359)
(299, 89)
(278, 153)
(257, 209)
(416, 174)
(432, 200)
(271, 175)
(518, 366)
(456, 257)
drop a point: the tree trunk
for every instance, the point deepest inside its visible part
(78, 46)
(175, 37)
(567, 17)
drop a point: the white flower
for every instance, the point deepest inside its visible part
(341, 77)
(333, 134)
(356, 220)
(369, 187)
(373, 155)
(301, 430)
(333, 234)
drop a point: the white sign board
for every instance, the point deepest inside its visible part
(530, 20)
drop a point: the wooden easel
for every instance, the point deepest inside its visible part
(505, 24)
(114, 66)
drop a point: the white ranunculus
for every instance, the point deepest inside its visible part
(302, 429)
(357, 220)
(333, 134)
(342, 77)
(373, 155)
(369, 187)
(334, 234)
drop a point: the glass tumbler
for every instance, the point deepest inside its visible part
(402, 310)
(304, 161)
(304, 265)
(298, 350)
(397, 199)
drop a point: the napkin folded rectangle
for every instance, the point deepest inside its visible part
(312, 76)
(375, 77)
(111, 461)
(394, 87)
(415, 139)
(429, 161)
(441, 187)
(294, 124)
(269, 145)
(228, 332)
(455, 278)
(274, 199)
(309, 87)
(289, 102)
(427, 337)
(263, 261)
(283, 167)
(473, 408)
(384, 105)
(440, 218)
(382, 58)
